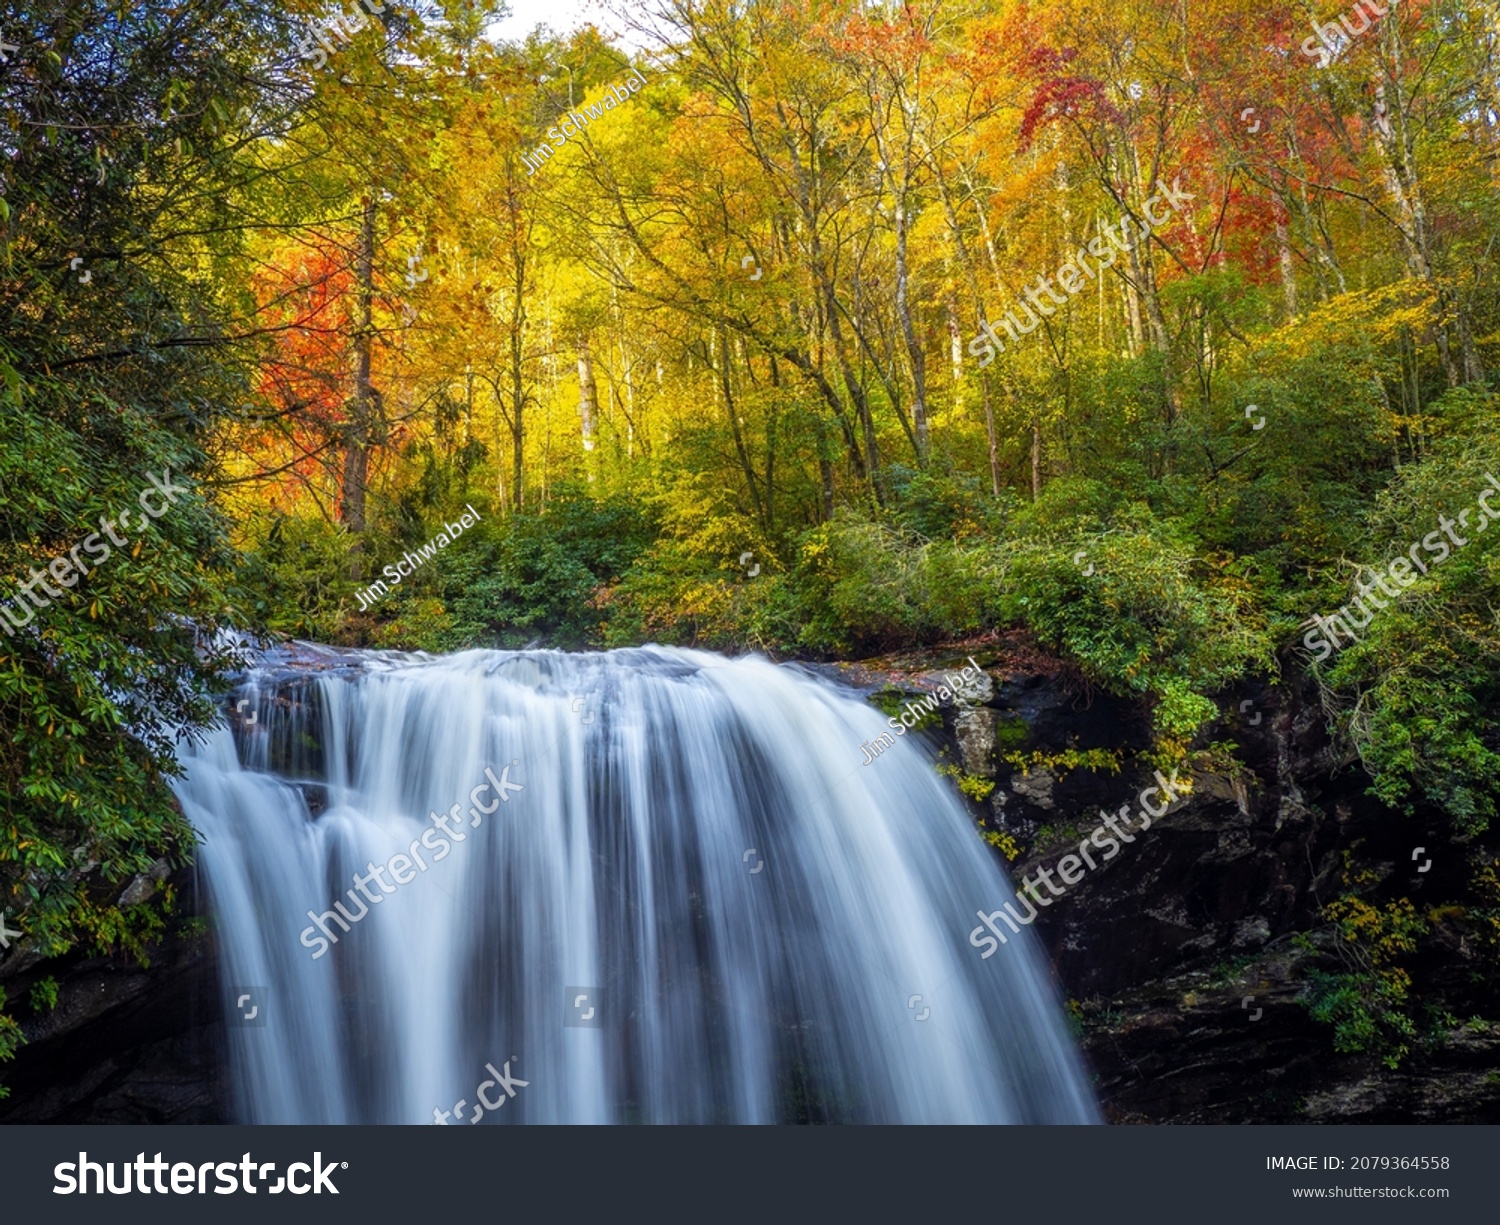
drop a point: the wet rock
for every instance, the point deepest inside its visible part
(126, 1042)
(143, 885)
(974, 733)
(1035, 787)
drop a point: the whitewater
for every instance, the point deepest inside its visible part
(691, 907)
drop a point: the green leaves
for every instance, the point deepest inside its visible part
(1143, 613)
(1418, 692)
(97, 686)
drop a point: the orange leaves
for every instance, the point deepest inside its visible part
(900, 42)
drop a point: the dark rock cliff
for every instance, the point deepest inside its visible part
(125, 1042)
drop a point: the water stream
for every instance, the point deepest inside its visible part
(694, 904)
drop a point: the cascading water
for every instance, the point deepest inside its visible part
(698, 907)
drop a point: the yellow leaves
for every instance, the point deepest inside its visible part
(1375, 316)
(1386, 933)
(1003, 843)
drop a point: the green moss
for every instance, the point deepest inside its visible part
(1011, 732)
(888, 701)
(891, 701)
(44, 995)
(1227, 972)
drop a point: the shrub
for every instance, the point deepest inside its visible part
(1368, 1001)
(1151, 619)
(866, 586)
(1418, 695)
(535, 575)
(296, 574)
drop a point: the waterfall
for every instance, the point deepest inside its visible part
(688, 902)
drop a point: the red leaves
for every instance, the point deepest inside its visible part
(1041, 62)
(1061, 91)
(1065, 97)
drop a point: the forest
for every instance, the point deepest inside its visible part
(1161, 333)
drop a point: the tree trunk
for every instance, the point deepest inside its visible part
(517, 437)
(955, 349)
(1284, 257)
(357, 432)
(1036, 460)
(971, 275)
(1143, 272)
(726, 396)
(588, 401)
(1398, 158)
(825, 469)
(989, 433)
(909, 335)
